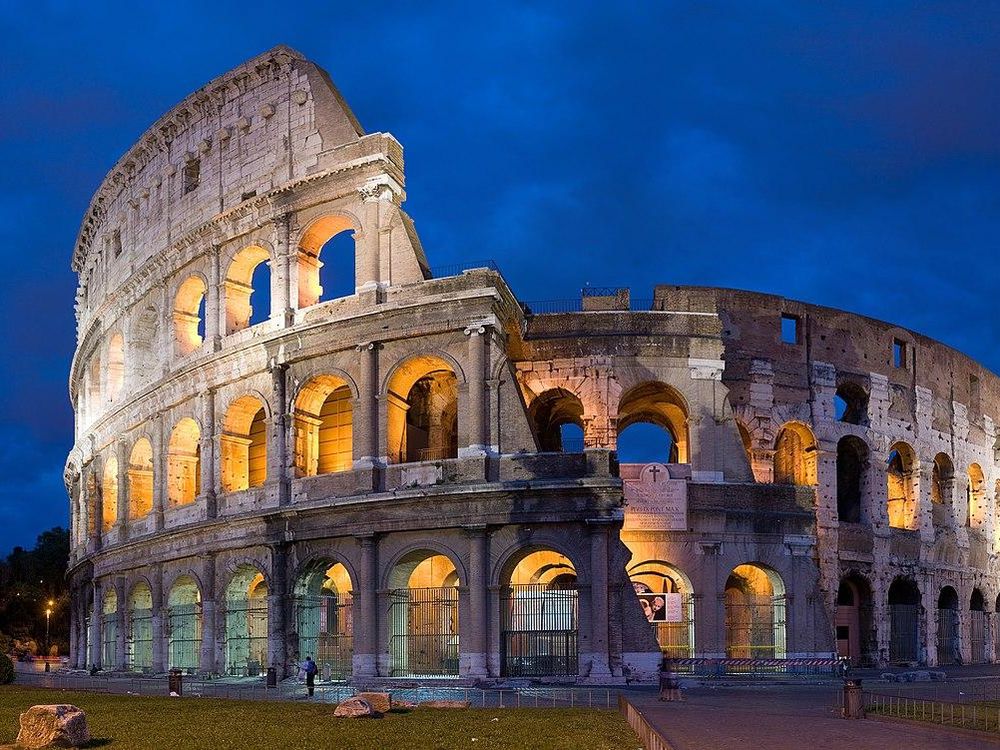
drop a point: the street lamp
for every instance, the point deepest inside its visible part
(48, 615)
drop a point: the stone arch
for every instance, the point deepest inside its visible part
(976, 497)
(654, 402)
(854, 633)
(115, 366)
(314, 237)
(902, 492)
(323, 602)
(109, 628)
(851, 403)
(323, 422)
(184, 623)
(184, 462)
(239, 287)
(189, 314)
(754, 599)
(979, 626)
(550, 411)
(942, 479)
(139, 638)
(656, 582)
(243, 443)
(246, 597)
(852, 475)
(949, 634)
(904, 601)
(140, 479)
(422, 409)
(795, 455)
(109, 484)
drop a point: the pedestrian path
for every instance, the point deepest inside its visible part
(785, 718)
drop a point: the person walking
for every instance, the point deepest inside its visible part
(310, 668)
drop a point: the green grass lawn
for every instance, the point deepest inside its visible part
(135, 723)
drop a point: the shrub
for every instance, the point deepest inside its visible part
(6, 670)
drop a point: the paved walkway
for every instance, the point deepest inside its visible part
(798, 717)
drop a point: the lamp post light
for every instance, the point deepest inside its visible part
(48, 615)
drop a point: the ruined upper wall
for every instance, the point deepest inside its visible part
(273, 120)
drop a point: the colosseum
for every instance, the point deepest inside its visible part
(295, 437)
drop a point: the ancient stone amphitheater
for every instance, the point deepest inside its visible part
(294, 437)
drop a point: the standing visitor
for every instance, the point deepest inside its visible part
(309, 667)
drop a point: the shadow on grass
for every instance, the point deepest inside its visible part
(98, 742)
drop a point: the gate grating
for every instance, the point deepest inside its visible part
(978, 626)
(424, 638)
(246, 637)
(947, 641)
(539, 630)
(326, 632)
(139, 651)
(755, 627)
(184, 636)
(902, 632)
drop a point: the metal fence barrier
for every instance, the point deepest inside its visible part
(648, 736)
(979, 716)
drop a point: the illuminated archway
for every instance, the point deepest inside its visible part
(795, 453)
(243, 445)
(189, 315)
(755, 613)
(324, 426)
(422, 411)
(184, 625)
(658, 404)
(246, 622)
(116, 367)
(901, 489)
(183, 463)
(109, 629)
(423, 615)
(139, 643)
(241, 284)
(326, 235)
(324, 615)
(140, 480)
(109, 510)
(942, 480)
(667, 600)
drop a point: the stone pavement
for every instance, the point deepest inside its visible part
(793, 717)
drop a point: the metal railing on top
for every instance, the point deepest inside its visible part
(984, 717)
(454, 269)
(555, 306)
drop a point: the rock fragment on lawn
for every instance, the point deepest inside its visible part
(58, 725)
(355, 708)
(445, 704)
(380, 702)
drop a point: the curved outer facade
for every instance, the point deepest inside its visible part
(384, 478)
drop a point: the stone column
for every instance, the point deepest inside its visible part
(157, 625)
(215, 323)
(276, 621)
(123, 494)
(74, 625)
(476, 388)
(159, 472)
(285, 277)
(367, 265)
(366, 424)
(600, 666)
(96, 631)
(365, 659)
(208, 662)
(207, 467)
(278, 470)
(473, 634)
(120, 658)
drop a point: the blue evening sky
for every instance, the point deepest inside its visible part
(842, 153)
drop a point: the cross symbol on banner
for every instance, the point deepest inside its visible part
(655, 471)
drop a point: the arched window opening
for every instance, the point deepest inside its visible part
(539, 606)
(976, 497)
(978, 627)
(183, 463)
(248, 289)
(145, 348)
(184, 625)
(942, 480)
(653, 404)
(116, 366)
(901, 490)
(323, 606)
(852, 470)
(330, 238)
(423, 411)
(423, 616)
(324, 427)
(140, 480)
(139, 643)
(850, 404)
(949, 640)
(853, 621)
(189, 311)
(109, 630)
(246, 623)
(109, 510)
(755, 613)
(667, 600)
(551, 412)
(243, 445)
(795, 455)
(904, 617)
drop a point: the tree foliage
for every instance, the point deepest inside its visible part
(29, 579)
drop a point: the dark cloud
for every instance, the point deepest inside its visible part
(842, 153)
